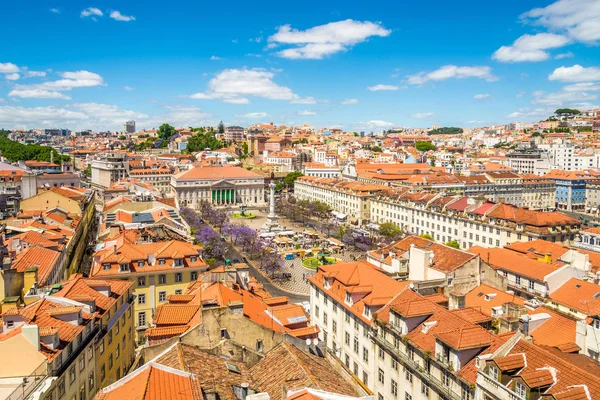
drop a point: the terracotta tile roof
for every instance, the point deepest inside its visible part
(212, 372)
(166, 332)
(348, 275)
(579, 295)
(510, 362)
(485, 297)
(557, 330)
(175, 314)
(569, 348)
(153, 381)
(578, 392)
(507, 260)
(472, 314)
(466, 338)
(180, 298)
(41, 258)
(289, 367)
(538, 378)
(64, 310)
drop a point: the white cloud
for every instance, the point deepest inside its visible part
(37, 94)
(55, 10)
(215, 58)
(482, 96)
(423, 115)
(582, 87)
(253, 115)
(128, 88)
(35, 74)
(452, 71)
(235, 85)
(8, 68)
(475, 121)
(379, 124)
(96, 116)
(530, 113)
(323, 40)
(530, 48)
(560, 56)
(307, 113)
(117, 16)
(563, 97)
(70, 80)
(378, 88)
(576, 18)
(520, 94)
(12, 77)
(304, 100)
(91, 12)
(576, 73)
(350, 101)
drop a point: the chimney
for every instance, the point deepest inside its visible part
(244, 393)
(32, 334)
(115, 249)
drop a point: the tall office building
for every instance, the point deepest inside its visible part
(129, 127)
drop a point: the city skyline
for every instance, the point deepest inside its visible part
(96, 65)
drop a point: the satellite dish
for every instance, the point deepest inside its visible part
(308, 341)
(315, 341)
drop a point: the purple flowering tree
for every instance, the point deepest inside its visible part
(271, 262)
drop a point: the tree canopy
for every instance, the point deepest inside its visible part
(201, 141)
(453, 243)
(376, 149)
(15, 151)
(425, 146)
(389, 230)
(291, 178)
(446, 130)
(567, 111)
(221, 127)
(165, 132)
(426, 236)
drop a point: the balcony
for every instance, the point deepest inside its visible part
(494, 388)
(425, 376)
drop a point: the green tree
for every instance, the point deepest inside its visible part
(389, 230)
(201, 141)
(426, 236)
(291, 178)
(88, 170)
(221, 127)
(446, 130)
(165, 132)
(376, 149)
(15, 151)
(567, 111)
(122, 137)
(424, 146)
(453, 243)
(245, 149)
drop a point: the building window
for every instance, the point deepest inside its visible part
(178, 277)
(110, 337)
(445, 378)
(193, 259)
(493, 372)
(334, 327)
(162, 296)
(520, 390)
(140, 263)
(142, 281)
(118, 351)
(531, 285)
(347, 338)
(518, 280)
(161, 261)
(259, 346)
(394, 388)
(61, 388)
(72, 374)
(194, 275)
(102, 347)
(394, 364)
(381, 353)
(365, 378)
(408, 376)
(424, 389)
(82, 363)
(178, 291)
(141, 299)
(91, 382)
(162, 279)
(365, 354)
(142, 318)
(407, 396)
(110, 361)
(355, 345)
(102, 373)
(381, 376)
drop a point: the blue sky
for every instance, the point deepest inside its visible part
(354, 64)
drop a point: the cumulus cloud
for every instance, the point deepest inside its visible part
(379, 124)
(97, 116)
(117, 16)
(12, 77)
(128, 88)
(576, 73)
(423, 115)
(35, 74)
(530, 113)
(8, 68)
(253, 115)
(583, 87)
(564, 98)
(453, 72)
(378, 88)
(320, 41)
(236, 85)
(482, 96)
(307, 113)
(37, 94)
(530, 48)
(70, 80)
(560, 56)
(215, 58)
(576, 18)
(91, 12)
(55, 10)
(350, 101)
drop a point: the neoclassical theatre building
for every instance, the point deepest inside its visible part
(226, 186)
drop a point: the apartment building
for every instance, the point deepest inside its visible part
(158, 176)
(344, 299)
(234, 133)
(348, 198)
(321, 170)
(108, 168)
(286, 159)
(470, 221)
(158, 269)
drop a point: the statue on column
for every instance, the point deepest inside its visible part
(272, 224)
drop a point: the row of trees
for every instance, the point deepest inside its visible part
(303, 210)
(15, 151)
(446, 130)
